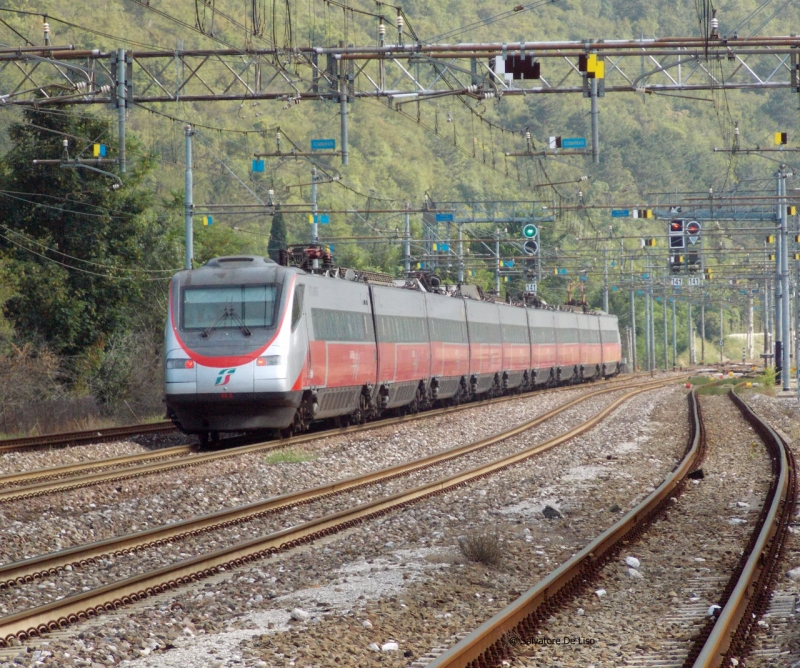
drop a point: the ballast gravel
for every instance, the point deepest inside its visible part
(30, 460)
(401, 579)
(107, 570)
(653, 610)
(57, 521)
(777, 638)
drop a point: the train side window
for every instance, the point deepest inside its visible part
(297, 305)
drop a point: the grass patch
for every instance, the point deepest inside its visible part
(700, 380)
(289, 456)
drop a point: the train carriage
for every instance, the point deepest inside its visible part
(541, 326)
(403, 346)
(342, 357)
(516, 346)
(485, 346)
(251, 345)
(447, 324)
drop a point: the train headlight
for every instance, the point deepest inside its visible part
(268, 360)
(180, 364)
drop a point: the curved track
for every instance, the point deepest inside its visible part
(74, 608)
(746, 597)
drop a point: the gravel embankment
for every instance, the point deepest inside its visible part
(657, 601)
(107, 570)
(403, 573)
(74, 517)
(40, 458)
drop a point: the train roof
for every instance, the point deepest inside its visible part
(419, 283)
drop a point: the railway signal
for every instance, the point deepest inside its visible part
(781, 138)
(529, 231)
(530, 247)
(676, 234)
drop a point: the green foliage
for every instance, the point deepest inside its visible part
(289, 456)
(277, 235)
(767, 377)
(81, 251)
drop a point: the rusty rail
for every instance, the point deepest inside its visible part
(88, 436)
(746, 597)
(81, 606)
(493, 641)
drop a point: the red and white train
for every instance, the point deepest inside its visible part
(252, 345)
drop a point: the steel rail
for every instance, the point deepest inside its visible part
(90, 479)
(82, 606)
(86, 436)
(54, 472)
(747, 596)
(28, 570)
(491, 643)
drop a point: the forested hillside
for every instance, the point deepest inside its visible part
(84, 266)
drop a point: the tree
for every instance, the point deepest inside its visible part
(84, 255)
(277, 234)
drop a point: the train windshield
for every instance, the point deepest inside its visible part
(229, 307)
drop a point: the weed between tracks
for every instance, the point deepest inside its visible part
(482, 547)
(289, 456)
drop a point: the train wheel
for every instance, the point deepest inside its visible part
(287, 432)
(203, 437)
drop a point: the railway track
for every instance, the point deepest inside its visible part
(725, 638)
(82, 606)
(41, 482)
(64, 439)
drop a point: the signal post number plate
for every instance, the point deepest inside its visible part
(531, 287)
(694, 280)
(677, 282)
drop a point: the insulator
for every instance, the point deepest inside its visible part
(472, 88)
(449, 117)
(400, 22)
(271, 193)
(381, 30)
(736, 129)
(488, 95)
(65, 143)
(528, 135)
(46, 28)
(714, 24)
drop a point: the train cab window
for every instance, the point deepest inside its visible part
(297, 305)
(229, 307)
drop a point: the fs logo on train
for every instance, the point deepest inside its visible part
(224, 377)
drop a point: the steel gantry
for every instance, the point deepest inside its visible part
(398, 73)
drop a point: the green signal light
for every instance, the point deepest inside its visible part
(529, 231)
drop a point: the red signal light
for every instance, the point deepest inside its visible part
(693, 228)
(190, 364)
(676, 226)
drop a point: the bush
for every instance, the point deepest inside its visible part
(767, 377)
(482, 547)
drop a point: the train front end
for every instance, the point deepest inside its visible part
(228, 361)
